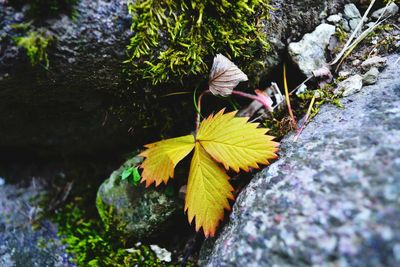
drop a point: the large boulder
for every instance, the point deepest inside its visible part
(333, 197)
(82, 104)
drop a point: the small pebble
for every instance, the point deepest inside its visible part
(334, 18)
(371, 76)
(344, 74)
(356, 62)
(390, 10)
(350, 86)
(161, 253)
(376, 61)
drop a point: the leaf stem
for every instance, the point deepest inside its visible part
(245, 95)
(198, 117)
(306, 117)
(253, 97)
(292, 119)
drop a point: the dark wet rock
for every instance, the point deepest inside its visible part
(24, 242)
(138, 212)
(333, 197)
(82, 105)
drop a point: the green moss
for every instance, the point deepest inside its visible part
(390, 1)
(324, 96)
(103, 211)
(35, 44)
(21, 27)
(175, 38)
(280, 123)
(341, 34)
(93, 245)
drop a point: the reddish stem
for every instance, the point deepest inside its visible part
(238, 93)
(299, 131)
(253, 97)
(292, 119)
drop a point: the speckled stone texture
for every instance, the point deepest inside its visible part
(21, 243)
(333, 197)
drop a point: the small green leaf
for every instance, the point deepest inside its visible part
(126, 173)
(136, 174)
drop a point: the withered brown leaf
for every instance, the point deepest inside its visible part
(224, 76)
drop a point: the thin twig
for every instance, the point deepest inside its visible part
(357, 41)
(348, 43)
(197, 241)
(306, 117)
(292, 119)
(303, 82)
(349, 47)
(198, 117)
(177, 93)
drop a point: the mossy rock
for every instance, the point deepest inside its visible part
(138, 212)
(84, 104)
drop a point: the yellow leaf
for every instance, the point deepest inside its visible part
(208, 191)
(223, 138)
(163, 156)
(235, 142)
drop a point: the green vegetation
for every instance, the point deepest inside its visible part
(35, 44)
(95, 245)
(176, 38)
(341, 34)
(323, 96)
(389, 1)
(279, 122)
(132, 175)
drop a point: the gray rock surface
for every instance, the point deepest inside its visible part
(375, 61)
(391, 10)
(352, 15)
(138, 212)
(333, 197)
(309, 53)
(351, 12)
(371, 76)
(22, 242)
(350, 86)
